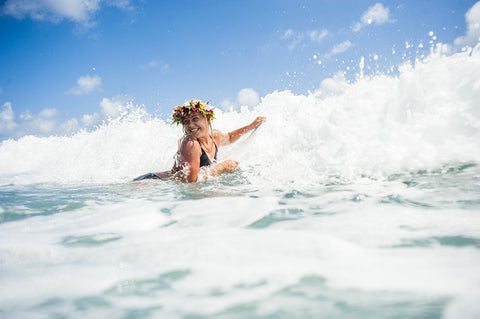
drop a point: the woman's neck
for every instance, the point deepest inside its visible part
(206, 141)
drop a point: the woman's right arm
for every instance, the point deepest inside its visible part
(187, 166)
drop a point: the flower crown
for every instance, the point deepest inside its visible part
(193, 106)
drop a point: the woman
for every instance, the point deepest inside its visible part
(197, 154)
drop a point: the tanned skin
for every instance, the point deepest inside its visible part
(199, 135)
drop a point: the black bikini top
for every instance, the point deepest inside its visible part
(204, 159)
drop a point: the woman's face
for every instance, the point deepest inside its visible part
(195, 125)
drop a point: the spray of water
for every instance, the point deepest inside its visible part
(426, 116)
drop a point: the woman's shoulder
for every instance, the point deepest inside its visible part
(189, 143)
(219, 137)
(218, 134)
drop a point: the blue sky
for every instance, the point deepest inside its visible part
(68, 64)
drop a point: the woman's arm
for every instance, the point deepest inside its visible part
(188, 162)
(233, 136)
(225, 166)
(187, 167)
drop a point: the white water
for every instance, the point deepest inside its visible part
(358, 200)
(425, 117)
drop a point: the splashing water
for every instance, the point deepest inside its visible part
(426, 117)
(357, 200)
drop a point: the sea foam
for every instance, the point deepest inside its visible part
(424, 117)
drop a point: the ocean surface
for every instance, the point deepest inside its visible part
(360, 199)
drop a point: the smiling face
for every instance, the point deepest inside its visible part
(195, 125)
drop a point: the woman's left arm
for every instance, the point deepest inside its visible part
(233, 136)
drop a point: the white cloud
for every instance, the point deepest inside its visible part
(43, 123)
(318, 36)
(90, 119)
(70, 126)
(48, 122)
(376, 14)
(296, 38)
(48, 113)
(7, 119)
(332, 86)
(53, 10)
(472, 17)
(79, 11)
(109, 109)
(25, 116)
(85, 85)
(288, 34)
(340, 48)
(113, 108)
(246, 97)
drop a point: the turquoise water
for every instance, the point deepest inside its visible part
(404, 247)
(358, 200)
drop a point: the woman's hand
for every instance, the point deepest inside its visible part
(229, 165)
(258, 121)
(225, 166)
